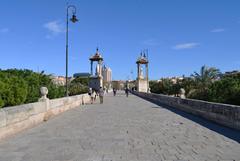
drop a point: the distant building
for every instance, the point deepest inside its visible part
(118, 84)
(58, 80)
(234, 72)
(174, 80)
(107, 74)
(81, 75)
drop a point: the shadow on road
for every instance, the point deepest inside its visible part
(228, 132)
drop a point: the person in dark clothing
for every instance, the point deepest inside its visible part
(114, 91)
(127, 91)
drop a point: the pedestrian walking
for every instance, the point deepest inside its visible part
(90, 93)
(101, 94)
(126, 91)
(114, 92)
(93, 96)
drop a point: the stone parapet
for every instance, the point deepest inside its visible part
(224, 114)
(17, 118)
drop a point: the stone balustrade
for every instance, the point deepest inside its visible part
(224, 114)
(17, 118)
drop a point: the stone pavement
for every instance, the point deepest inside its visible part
(121, 129)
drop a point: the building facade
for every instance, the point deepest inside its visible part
(107, 74)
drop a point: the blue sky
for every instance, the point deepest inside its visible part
(181, 35)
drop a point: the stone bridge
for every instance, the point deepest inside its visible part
(123, 129)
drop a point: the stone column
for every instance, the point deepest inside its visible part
(138, 71)
(147, 77)
(91, 67)
(44, 92)
(100, 73)
(100, 67)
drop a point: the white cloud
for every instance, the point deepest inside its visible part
(151, 42)
(186, 46)
(4, 30)
(54, 27)
(218, 30)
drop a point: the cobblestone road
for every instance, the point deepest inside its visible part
(122, 129)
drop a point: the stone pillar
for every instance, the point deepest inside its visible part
(147, 78)
(100, 73)
(91, 67)
(100, 67)
(138, 71)
(44, 92)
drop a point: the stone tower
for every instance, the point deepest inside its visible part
(142, 82)
(96, 80)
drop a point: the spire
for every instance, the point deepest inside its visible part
(97, 52)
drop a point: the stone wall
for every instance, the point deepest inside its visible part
(227, 115)
(17, 118)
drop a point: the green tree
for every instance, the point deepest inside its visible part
(154, 86)
(22, 86)
(78, 86)
(83, 81)
(206, 76)
(165, 86)
(189, 85)
(13, 91)
(226, 90)
(55, 91)
(203, 80)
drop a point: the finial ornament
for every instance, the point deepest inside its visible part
(44, 92)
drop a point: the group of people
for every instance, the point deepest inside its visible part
(115, 91)
(94, 93)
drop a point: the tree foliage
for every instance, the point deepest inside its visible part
(13, 90)
(22, 86)
(165, 86)
(78, 86)
(226, 90)
(209, 85)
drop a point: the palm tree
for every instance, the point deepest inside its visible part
(207, 75)
(204, 79)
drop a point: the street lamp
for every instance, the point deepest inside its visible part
(73, 19)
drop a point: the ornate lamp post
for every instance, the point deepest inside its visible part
(73, 19)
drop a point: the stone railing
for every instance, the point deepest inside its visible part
(17, 118)
(224, 114)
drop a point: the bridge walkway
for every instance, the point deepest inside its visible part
(121, 129)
